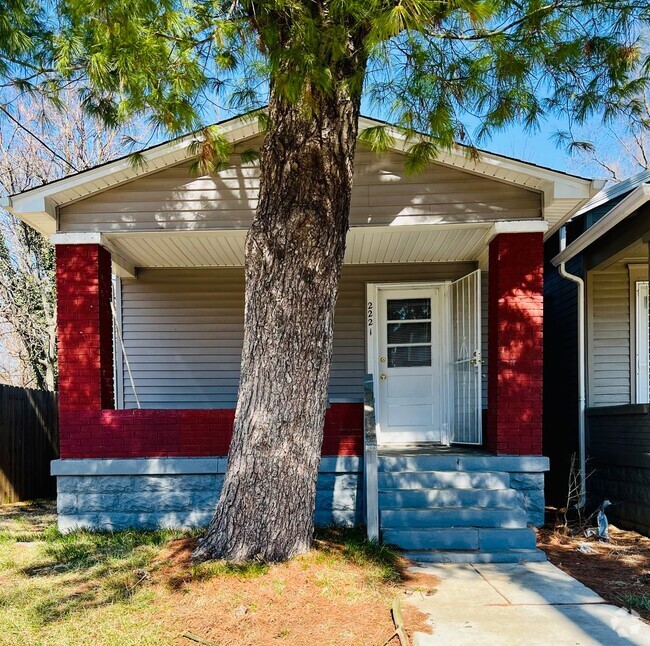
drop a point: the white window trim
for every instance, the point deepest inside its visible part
(637, 273)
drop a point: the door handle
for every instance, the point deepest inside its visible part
(382, 377)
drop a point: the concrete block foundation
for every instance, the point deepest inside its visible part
(180, 492)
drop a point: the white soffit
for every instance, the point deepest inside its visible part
(365, 245)
(563, 194)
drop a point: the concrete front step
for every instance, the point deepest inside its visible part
(451, 517)
(475, 556)
(460, 538)
(399, 498)
(444, 479)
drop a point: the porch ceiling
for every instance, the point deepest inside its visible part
(364, 245)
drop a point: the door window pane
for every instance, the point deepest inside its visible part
(409, 333)
(405, 309)
(409, 357)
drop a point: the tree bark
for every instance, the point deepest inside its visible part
(294, 253)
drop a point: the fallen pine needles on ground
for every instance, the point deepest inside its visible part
(618, 570)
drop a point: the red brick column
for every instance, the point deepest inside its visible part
(85, 330)
(515, 337)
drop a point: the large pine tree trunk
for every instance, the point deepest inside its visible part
(294, 253)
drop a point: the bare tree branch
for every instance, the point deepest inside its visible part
(40, 144)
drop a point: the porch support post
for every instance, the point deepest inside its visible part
(85, 328)
(515, 336)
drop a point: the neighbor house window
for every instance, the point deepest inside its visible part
(642, 349)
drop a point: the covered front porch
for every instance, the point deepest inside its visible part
(447, 319)
(150, 368)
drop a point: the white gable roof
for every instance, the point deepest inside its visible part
(563, 194)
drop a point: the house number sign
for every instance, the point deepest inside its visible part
(370, 317)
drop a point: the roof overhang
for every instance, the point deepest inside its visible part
(563, 194)
(626, 207)
(365, 245)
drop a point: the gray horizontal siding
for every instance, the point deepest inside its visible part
(172, 199)
(610, 336)
(183, 337)
(183, 332)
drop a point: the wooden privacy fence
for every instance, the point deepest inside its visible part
(29, 440)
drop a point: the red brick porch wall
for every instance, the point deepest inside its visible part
(89, 427)
(515, 341)
(148, 433)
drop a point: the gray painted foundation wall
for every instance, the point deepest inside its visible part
(150, 493)
(180, 492)
(530, 487)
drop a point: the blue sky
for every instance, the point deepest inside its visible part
(538, 148)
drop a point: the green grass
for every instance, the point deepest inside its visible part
(110, 588)
(82, 587)
(84, 549)
(636, 601)
(381, 562)
(210, 569)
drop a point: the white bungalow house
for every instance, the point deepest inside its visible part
(440, 303)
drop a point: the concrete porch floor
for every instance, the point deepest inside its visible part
(429, 449)
(531, 603)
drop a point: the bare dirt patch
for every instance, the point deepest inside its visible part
(619, 570)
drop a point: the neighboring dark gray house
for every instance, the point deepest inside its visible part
(607, 248)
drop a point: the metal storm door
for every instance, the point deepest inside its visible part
(410, 388)
(466, 392)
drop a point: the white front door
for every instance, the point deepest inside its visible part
(411, 388)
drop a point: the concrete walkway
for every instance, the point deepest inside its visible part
(533, 603)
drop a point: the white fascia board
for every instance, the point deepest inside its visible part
(637, 198)
(39, 212)
(596, 187)
(93, 237)
(517, 226)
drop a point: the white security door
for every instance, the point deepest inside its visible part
(410, 386)
(466, 392)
